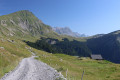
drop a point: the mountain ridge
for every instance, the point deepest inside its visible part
(108, 45)
(67, 31)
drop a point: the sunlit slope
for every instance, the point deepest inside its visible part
(11, 52)
(24, 23)
(93, 70)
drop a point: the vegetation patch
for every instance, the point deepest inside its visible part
(11, 53)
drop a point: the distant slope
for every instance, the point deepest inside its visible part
(67, 31)
(107, 45)
(97, 35)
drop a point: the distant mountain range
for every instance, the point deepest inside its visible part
(67, 31)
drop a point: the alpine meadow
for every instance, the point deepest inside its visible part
(33, 50)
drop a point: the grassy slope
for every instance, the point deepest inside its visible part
(94, 70)
(35, 28)
(11, 54)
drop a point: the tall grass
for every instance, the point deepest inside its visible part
(11, 53)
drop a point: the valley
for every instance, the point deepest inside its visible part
(22, 33)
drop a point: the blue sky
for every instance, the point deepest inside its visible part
(84, 16)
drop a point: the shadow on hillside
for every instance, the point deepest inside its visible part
(74, 48)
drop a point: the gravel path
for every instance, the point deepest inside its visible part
(32, 69)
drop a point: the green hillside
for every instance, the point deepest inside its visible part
(11, 52)
(23, 24)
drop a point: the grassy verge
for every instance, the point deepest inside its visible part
(73, 66)
(11, 52)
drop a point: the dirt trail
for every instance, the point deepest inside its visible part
(32, 69)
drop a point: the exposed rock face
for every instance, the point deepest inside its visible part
(12, 22)
(3, 23)
(23, 24)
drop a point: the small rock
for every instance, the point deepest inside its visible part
(2, 47)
